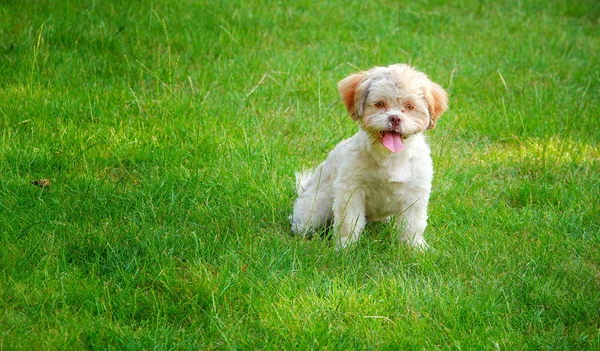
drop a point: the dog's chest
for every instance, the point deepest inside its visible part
(390, 191)
(383, 198)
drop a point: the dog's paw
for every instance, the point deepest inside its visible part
(419, 244)
(298, 229)
(293, 224)
(340, 245)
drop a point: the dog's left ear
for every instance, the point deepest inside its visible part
(437, 100)
(351, 93)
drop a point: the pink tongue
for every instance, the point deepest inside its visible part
(392, 141)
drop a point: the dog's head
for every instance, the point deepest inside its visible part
(392, 103)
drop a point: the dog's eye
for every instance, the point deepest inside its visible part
(379, 104)
(409, 107)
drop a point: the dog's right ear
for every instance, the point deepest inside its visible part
(437, 101)
(351, 93)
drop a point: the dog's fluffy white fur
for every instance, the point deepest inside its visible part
(385, 169)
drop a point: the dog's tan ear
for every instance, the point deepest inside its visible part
(350, 93)
(437, 100)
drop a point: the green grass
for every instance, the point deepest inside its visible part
(170, 131)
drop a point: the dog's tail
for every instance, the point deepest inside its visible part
(302, 179)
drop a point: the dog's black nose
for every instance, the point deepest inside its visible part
(394, 120)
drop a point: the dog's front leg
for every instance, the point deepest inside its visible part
(413, 222)
(349, 217)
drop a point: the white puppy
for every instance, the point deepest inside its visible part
(383, 170)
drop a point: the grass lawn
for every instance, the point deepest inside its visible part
(170, 132)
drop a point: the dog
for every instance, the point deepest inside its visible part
(383, 171)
